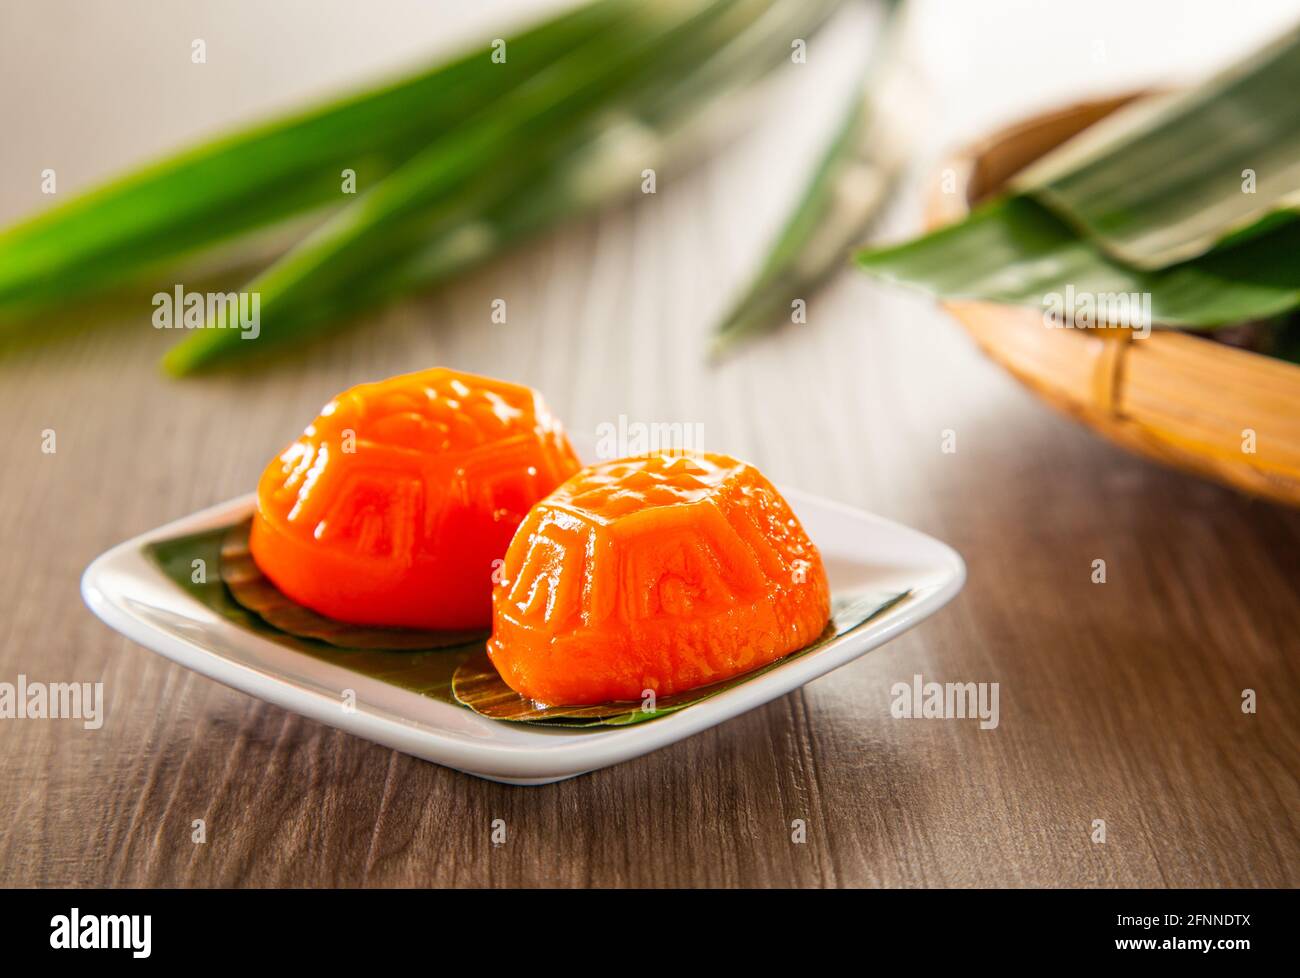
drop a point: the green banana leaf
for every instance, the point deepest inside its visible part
(285, 167)
(1167, 179)
(1016, 251)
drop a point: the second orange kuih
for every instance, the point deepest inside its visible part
(660, 573)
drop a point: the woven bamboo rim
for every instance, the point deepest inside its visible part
(1175, 397)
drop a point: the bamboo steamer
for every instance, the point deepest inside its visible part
(1175, 397)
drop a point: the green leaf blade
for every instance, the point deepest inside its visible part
(465, 202)
(1165, 180)
(1013, 250)
(847, 185)
(252, 178)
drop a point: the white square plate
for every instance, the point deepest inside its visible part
(126, 589)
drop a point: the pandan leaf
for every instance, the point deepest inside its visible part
(478, 686)
(1166, 179)
(830, 217)
(1014, 250)
(256, 593)
(231, 185)
(475, 193)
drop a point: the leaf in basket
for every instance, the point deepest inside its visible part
(478, 686)
(255, 591)
(1167, 178)
(1014, 250)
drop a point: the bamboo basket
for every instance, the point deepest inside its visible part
(1175, 397)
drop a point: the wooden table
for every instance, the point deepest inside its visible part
(1119, 701)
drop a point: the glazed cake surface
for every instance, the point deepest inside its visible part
(661, 573)
(392, 505)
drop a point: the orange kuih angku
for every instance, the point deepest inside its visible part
(395, 502)
(660, 573)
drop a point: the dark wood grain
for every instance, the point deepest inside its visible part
(1119, 701)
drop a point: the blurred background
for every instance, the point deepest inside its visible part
(611, 315)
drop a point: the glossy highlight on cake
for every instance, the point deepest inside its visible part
(393, 504)
(661, 573)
